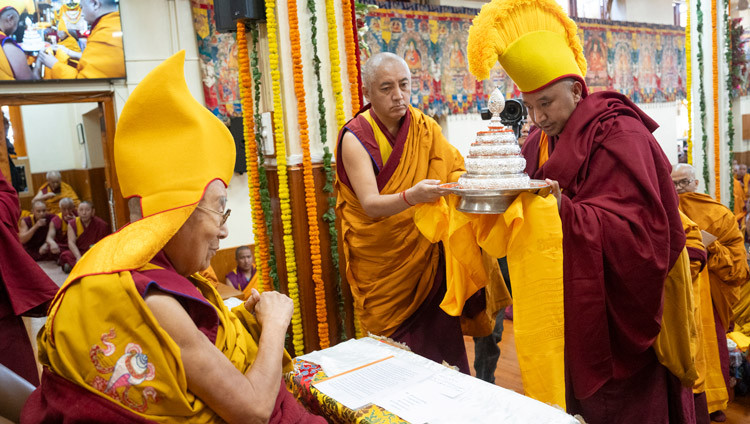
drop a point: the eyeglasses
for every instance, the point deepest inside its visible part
(682, 183)
(224, 216)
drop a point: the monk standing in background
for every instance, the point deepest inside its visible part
(32, 231)
(55, 190)
(83, 232)
(392, 157)
(740, 191)
(622, 233)
(25, 290)
(57, 235)
(103, 56)
(727, 260)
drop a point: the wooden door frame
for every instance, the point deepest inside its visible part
(106, 102)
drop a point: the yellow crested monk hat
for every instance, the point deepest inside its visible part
(535, 42)
(168, 148)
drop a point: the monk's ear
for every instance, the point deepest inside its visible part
(577, 89)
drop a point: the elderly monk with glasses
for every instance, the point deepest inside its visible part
(136, 334)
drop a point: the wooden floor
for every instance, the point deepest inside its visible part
(508, 375)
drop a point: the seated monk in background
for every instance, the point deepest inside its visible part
(53, 191)
(135, 334)
(85, 231)
(103, 56)
(32, 231)
(244, 274)
(57, 235)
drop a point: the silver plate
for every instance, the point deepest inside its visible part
(493, 201)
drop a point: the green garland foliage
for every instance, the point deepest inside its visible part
(265, 196)
(702, 96)
(330, 215)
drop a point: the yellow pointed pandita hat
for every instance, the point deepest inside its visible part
(535, 42)
(168, 148)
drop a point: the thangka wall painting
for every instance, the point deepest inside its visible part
(644, 62)
(218, 60)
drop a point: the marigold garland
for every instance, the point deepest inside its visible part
(281, 168)
(715, 83)
(311, 202)
(702, 95)
(265, 195)
(730, 97)
(251, 154)
(351, 55)
(689, 86)
(330, 215)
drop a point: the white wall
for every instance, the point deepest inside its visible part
(648, 11)
(51, 137)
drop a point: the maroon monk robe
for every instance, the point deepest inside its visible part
(38, 239)
(24, 290)
(61, 231)
(95, 231)
(621, 235)
(59, 398)
(430, 331)
(237, 278)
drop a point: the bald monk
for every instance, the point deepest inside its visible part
(25, 290)
(392, 157)
(84, 231)
(32, 231)
(243, 275)
(103, 55)
(55, 190)
(57, 234)
(13, 65)
(727, 260)
(135, 334)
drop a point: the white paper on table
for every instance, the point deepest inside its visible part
(355, 389)
(347, 356)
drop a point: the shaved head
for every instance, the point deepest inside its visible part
(372, 67)
(683, 177)
(67, 202)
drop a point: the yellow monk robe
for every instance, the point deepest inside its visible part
(53, 203)
(529, 234)
(742, 311)
(389, 281)
(124, 324)
(103, 56)
(727, 259)
(6, 72)
(697, 253)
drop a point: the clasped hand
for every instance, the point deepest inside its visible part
(271, 308)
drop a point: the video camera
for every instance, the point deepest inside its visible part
(514, 115)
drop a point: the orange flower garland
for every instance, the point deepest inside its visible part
(351, 55)
(715, 72)
(310, 200)
(298, 339)
(251, 153)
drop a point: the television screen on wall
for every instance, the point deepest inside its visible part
(53, 40)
